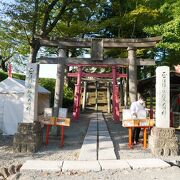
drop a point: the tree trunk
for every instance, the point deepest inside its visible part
(3, 65)
(34, 48)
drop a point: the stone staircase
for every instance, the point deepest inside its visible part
(101, 97)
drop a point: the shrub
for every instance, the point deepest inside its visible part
(68, 97)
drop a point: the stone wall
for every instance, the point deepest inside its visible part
(29, 137)
(163, 142)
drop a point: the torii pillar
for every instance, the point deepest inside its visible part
(132, 74)
(77, 95)
(108, 97)
(115, 100)
(59, 87)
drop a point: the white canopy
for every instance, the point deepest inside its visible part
(12, 85)
(12, 102)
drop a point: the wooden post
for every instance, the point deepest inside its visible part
(130, 137)
(151, 98)
(59, 87)
(77, 95)
(132, 74)
(125, 93)
(10, 70)
(126, 89)
(121, 93)
(115, 100)
(151, 103)
(144, 138)
(108, 97)
(96, 96)
(84, 96)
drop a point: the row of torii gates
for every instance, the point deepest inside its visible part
(97, 46)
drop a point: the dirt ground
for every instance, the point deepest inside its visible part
(74, 136)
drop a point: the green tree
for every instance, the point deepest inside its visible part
(7, 49)
(26, 19)
(127, 18)
(169, 29)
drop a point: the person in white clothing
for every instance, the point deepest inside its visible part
(135, 107)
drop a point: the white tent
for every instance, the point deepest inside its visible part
(11, 103)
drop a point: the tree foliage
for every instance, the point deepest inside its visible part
(26, 19)
(126, 19)
(169, 29)
(23, 20)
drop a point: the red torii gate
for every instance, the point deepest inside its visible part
(77, 94)
(97, 46)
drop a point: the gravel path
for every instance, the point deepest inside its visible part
(74, 136)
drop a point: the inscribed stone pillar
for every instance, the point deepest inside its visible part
(84, 96)
(162, 97)
(31, 93)
(163, 141)
(29, 134)
(59, 87)
(132, 74)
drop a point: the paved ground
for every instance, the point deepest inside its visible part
(119, 136)
(96, 165)
(74, 136)
(97, 143)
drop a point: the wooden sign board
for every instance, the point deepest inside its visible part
(62, 112)
(63, 121)
(140, 122)
(47, 112)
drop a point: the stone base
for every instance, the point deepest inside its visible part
(163, 142)
(28, 139)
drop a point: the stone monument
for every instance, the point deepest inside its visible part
(29, 135)
(163, 141)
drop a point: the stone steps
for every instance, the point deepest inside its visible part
(86, 166)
